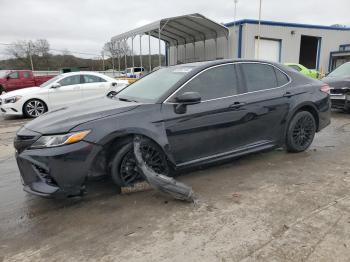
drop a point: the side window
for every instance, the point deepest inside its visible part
(93, 79)
(258, 76)
(214, 83)
(14, 75)
(26, 75)
(70, 80)
(282, 79)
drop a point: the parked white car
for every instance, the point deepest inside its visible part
(60, 91)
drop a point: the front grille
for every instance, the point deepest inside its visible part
(44, 175)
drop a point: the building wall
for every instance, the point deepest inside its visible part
(331, 40)
(290, 47)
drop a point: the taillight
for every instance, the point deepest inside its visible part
(326, 89)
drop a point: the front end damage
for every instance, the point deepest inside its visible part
(53, 172)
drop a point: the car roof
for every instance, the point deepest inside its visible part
(204, 64)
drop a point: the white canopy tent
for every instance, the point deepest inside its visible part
(176, 31)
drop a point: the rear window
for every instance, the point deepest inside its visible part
(282, 78)
(259, 76)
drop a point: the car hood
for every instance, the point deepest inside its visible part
(337, 82)
(24, 91)
(64, 119)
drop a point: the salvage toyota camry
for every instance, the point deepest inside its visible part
(188, 115)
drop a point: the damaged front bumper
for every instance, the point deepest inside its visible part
(56, 172)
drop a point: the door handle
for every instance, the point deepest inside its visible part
(237, 104)
(288, 94)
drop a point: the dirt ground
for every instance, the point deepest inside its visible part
(270, 206)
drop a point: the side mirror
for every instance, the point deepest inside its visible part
(189, 98)
(56, 85)
(114, 84)
(7, 77)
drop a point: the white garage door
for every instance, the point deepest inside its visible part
(269, 49)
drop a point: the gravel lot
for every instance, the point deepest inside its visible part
(265, 207)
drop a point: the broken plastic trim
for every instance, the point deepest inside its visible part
(161, 182)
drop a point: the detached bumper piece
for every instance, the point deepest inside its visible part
(161, 182)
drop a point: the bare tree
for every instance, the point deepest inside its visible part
(114, 49)
(41, 47)
(26, 51)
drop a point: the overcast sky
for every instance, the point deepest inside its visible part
(85, 25)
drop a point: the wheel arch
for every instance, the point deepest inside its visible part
(112, 143)
(307, 106)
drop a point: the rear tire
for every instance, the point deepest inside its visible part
(124, 170)
(34, 108)
(301, 132)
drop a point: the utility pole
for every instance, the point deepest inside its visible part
(259, 32)
(30, 55)
(103, 61)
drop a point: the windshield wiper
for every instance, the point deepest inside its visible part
(126, 100)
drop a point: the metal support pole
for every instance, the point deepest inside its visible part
(216, 48)
(118, 63)
(205, 53)
(141, 50)
(177, 53)
(259, 32)
(159, 56)
(132, 51)
(149, 52)
(228, 47)
(126, 63)
(185, 52)
(194, 51)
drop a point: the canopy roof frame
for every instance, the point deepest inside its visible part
(179, 30)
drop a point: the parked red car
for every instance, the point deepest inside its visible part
(16, 79)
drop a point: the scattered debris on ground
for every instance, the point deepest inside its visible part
(161, 182)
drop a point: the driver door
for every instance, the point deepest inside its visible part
(210, 127)
(68, 93)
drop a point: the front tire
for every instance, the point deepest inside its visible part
(124, 170)
(34, 108)
(301, 132)
(2, 90)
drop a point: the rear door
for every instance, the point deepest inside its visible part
(94, 86)
(265, 100)
(68, 93)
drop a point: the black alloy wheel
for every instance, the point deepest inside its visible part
(124, 168)
(301, 132)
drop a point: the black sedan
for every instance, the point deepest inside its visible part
(339, 81)
(188, 115)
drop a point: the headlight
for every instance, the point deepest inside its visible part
(13, 99)
(59, 140)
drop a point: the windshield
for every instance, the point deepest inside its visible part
(49, 82)
(343, 70)
(153, 86)
(3, 73)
